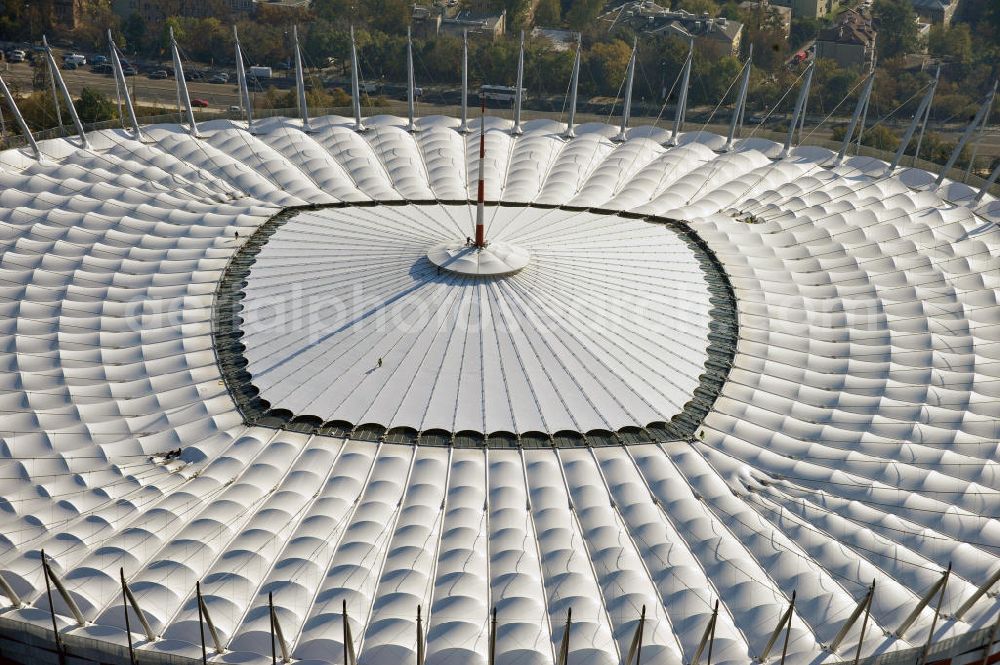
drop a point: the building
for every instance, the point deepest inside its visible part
(808, 8)
(936, 11)
(436, 19)
(67, 13)
(850, 41)
(719, 36)
(770, 11)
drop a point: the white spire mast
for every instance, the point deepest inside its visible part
(183, 98)
(923, 109)
(241, 79)
(464, 127)
(683, 97)
(800, 106)
(411, 88)
(573, 87)
(517, 91)
(862, 103)
(741, 102)
(300, 81)
(355, 85)
(53, 75)
(629, 78)
(481, 193)
(20, 119)
(980, 117)
(57, 79)
(116, 63)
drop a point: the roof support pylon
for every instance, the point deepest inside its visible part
(908, 621)
(864, 625)
(52, 608)
(411, 86)
(634, 656)
(183, 98)
(861, 106)
(937, 613)
(983, 588)
(629, 78)
(20, 119)
(350, 656)
(147, 629)
(116, 63)
(682, 99)
(986, 185)
(420, 638)
(241, 80)
(355, 85)
(493, 638)
(923, 109)
(574, 86)
(741, 102)
(464, 127)
(518, 91)
(786, 620)
(57, 81)
(564, 646)
(988, 646)
(300, 81)
(68, 599)
(276, 633)
(128, 624)
(863, 605)
(203, 613)
(981, 114)
(799, 113)
(8, 591)
(707, 637)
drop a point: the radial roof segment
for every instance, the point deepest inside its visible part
(715, 380)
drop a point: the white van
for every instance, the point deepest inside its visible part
(74, 58)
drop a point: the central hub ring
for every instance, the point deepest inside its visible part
(497, 259)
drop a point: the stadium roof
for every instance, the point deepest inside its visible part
(853, 439)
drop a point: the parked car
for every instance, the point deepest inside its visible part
(130, 71)
(75, 58)
(199, 103)
(16, 56)
(98, 59)
(102, 68)
(221, 77)
(193, 76)
(158, 74)
(69, 66)
(235, 109)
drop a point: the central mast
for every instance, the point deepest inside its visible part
(481, 197)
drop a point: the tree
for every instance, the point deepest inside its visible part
(607, 62)
(94, 106)
(897, 27)
(698, 7)
(583, 13)
(952, 43)
(548, 12)
(134, 30)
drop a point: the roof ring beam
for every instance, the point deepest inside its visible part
(147, 629)
(922, 109)
(519, 90)
(786, 619)
(241, 79)
(862, 104)
(355, 85)
(574, 86)
(68, 599)
(20, 119)
(464, 127)
(627, 108)
(863, 605)
(908, 621)
(741, 103)
(300, 81)
(183, 98)
(682, 99)
(980, 118)
(116, 63)
(57, 81)
(800, 109)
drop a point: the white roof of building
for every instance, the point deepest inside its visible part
(854, 439)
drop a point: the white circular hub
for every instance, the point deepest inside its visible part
(497, 259)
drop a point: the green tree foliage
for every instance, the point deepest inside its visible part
(581, 14)
(134, 30)
(897, 27)
(952, 43)
(95, 107)
(548, 13)
(607, 63)
(698, 7)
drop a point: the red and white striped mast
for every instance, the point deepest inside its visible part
(481, 197)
